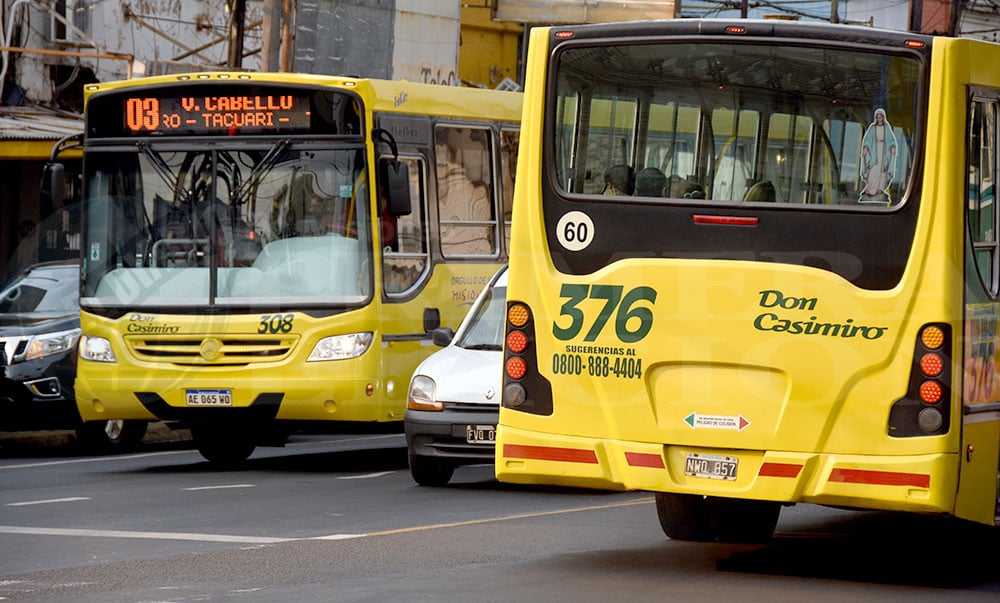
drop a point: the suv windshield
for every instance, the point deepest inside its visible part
(265, 225)
(44, 289)
(737, 123)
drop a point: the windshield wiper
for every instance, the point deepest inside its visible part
(261, 169)
(484, 346)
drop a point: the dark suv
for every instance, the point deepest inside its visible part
(39, 332)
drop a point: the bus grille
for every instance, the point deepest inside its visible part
(211, 351)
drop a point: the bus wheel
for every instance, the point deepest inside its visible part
(111, 436)
(429, 471)
(738, 520)
(684, 516)
(220, 446)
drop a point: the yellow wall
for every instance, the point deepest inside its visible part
(488, 50)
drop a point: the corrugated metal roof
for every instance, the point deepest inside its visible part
(34, 123)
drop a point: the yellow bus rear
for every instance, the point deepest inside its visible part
(834, 343)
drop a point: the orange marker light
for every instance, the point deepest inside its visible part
(517, 314)
(932, 337)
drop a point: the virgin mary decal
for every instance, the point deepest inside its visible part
(878, 160)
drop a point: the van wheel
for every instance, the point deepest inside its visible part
(222, 448)
(429, 471)
(111, 436)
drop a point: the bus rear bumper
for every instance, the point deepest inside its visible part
(915, 483)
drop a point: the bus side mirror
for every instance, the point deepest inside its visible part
(53, 185)
(394, 178)
(442, 336)
(432, 319)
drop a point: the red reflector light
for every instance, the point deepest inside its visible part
(930, 392)
(517, 341)
(914, 43)
(736, 29)
(563, 35)
(931, 365)
(727, 220)
(516, 368)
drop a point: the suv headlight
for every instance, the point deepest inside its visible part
(50, 344)
(340, 347)
(97, 349)
(422, 393)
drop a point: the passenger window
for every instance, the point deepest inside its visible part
(982, 216)
(466, 209)
(509, 141)
(404, 261)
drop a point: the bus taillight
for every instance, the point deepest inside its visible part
(524, 387)
(925, 409)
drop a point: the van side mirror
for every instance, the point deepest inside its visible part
(53, 185)
(432, 319)
(394, 178)
(442, 336)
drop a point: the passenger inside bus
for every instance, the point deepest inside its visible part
(619, 180)
(650, 182)
(761, 191)
(680, 188)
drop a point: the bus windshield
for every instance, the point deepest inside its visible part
(738, 123)
(263, 225)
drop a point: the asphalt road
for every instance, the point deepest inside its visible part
(337, 518)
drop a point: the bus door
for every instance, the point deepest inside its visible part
(981, 356)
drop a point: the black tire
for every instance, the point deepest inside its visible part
(684, 516)
(111, 436)
(708, 518)
(430, 471)
(222, 448)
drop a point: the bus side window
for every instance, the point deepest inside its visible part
(509, 142)
(465, 186)
(405, 261)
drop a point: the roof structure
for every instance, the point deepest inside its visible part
(30, 132)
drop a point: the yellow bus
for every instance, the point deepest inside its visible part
(755, 264)
(266, 253)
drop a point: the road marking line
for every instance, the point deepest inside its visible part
(101, 459)
(472, 522)
(367, 475)
(45, 502)
(221, 487)
(272, 540)
(144, 535)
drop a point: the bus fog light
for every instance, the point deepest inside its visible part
(514, 395)
(930, 419)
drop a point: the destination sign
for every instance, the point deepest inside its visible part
(217, 114)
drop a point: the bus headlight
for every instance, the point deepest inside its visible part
(340, 347)
(97, 349)
(422, 393)
(48, 344)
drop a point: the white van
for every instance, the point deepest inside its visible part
(454, 398)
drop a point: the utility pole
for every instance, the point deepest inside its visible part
(238, 12)
(270, 54)
(288, 18)
(954, 17)
(834, 11)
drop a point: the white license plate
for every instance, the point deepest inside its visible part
(481, 434)
(711, 466)
(209, 397)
